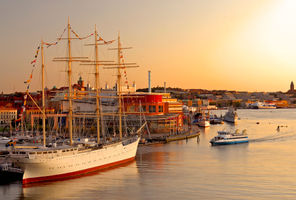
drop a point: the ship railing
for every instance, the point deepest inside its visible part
(52, 153)
(129, 141)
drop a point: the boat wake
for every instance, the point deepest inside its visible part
(275, 137)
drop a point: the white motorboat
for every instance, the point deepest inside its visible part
(227, 137)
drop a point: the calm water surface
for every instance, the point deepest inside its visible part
(263, 169)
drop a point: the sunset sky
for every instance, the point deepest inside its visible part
(245, 45)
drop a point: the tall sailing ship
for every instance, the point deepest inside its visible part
(42, 163)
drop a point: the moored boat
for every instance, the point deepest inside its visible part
(202, 119)
(214, 119)
(230, 115)
(44, 163)
(203, 123)
(227, 137)
(262, 105)
(9, 173)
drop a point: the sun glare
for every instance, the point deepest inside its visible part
(277, 30)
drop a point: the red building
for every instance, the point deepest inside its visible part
(150, 104)
(163, 114)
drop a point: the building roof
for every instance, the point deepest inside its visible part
(7, 108)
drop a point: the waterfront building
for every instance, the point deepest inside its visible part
(280, 103)
(163, 113)
(15, 100)
(7, 114)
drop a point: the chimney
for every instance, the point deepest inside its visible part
(149, 81)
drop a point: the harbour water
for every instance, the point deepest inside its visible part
(264, 168)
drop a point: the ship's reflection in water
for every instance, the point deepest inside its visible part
(103, 182)
(10, 191)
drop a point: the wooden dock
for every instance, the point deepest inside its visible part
(163, 138)
(182, 136)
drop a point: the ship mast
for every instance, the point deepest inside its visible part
(120, 66)
(69, 60)
(119, 88)
(97, 63)
(42, 110)
(70, 84)
(43, 96)
(97, 85)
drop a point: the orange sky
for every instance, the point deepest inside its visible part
(209, 44)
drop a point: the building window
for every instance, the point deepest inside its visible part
(131, 109)
(160, 108)
(143, 109)
(152, 109)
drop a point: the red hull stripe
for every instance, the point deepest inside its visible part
(71, 174)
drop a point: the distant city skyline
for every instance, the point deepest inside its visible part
(215, 45)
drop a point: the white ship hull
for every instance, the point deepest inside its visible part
(230, 141)
(61, 164)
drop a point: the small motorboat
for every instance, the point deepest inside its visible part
(203, 123)
(227, 137)
(202, 119)
(214, 119)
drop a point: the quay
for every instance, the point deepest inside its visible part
(163, 138)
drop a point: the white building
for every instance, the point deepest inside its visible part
(7, 114)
